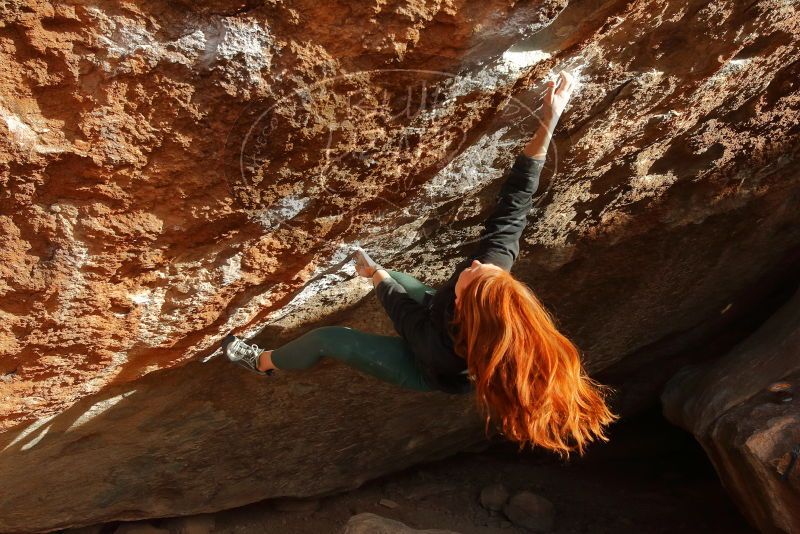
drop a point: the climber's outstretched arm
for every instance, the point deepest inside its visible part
(499, 241)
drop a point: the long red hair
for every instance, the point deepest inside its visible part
(528, 376)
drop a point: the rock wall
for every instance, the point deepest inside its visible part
(203, 438)
(175, 170)
(749, 431)
(171, 171)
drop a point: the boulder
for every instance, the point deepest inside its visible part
(741, 409)
(211, 436)
(368, 523)
(531, 511)
(494, 497)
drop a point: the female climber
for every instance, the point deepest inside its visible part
(482, 331)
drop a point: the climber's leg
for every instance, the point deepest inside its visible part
(388, 358)
(414, 288)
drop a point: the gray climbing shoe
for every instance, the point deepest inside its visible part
(244, 354)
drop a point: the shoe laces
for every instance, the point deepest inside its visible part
(249, 351)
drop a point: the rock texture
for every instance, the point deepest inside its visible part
(494, 497)
(170, 171)
(205, 437)
(368, 523)
(747, 430)
(531, 511)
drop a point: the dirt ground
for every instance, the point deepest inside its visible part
(651, 478)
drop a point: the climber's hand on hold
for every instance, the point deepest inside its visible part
(556, 98)
(365, 266)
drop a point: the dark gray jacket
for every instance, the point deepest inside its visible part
(425, 326)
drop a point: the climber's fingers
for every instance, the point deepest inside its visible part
(362, 263)
(551, 87)
(566, 82)
(359, 256)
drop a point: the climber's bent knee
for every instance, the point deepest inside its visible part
(388, 358)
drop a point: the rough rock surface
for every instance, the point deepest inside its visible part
(170, 171)
(205, 437)
(367, 523)
(748, 432)
(494, 497)
(531, 511)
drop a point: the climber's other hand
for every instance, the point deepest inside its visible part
(365, 266)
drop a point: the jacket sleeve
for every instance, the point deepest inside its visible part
(499, 241)
(412, 321)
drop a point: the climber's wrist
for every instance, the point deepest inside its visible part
(548, 118)
(376, 268)
(378, 275)
(536, 148)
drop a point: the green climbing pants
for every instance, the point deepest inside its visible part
(388, 358)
